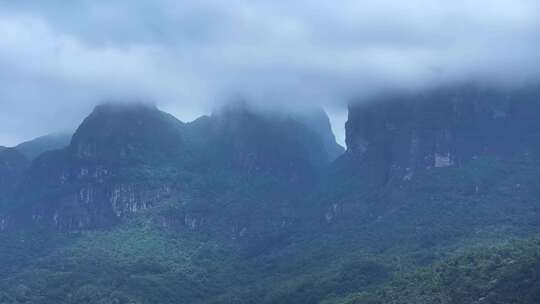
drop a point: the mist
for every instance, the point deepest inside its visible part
(58, 59)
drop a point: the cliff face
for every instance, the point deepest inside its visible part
(291, 147)
(318, 121)
(134, 133)
(398, 136)
(120, 160)
(124, 158)
(13, 165)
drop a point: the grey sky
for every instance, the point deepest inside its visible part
(59, 58)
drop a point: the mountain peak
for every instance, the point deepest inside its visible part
(126, 130)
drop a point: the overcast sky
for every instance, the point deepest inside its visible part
(59, 58)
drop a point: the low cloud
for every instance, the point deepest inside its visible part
(58, 59)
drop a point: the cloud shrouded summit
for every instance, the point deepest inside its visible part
(58, 58)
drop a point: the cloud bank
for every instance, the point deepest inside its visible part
(58, 58)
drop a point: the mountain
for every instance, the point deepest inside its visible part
(128, 133)
(129, 157)
(318, 121)
(35, 147)
(399, 136)
(116, 163)
(269, 142)
(434, 200)
(433, 175)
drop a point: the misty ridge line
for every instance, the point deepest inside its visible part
(57, 61)
(337, 120)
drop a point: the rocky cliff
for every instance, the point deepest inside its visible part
(317, 120)
(13, 165)
(119, 161)
(399, 135)
(255, 142)
(124, 158)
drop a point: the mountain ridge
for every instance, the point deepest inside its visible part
(129, 157)
(250, 208)
(35, 147)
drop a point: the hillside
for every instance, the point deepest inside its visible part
(506, 273)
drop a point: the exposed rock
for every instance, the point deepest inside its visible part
(398, 136)
(125, 158)
(13, 165)
(130, 198)
(106, 173)
(254, 142)
(318, 121)
(4, 222)
(193, 221)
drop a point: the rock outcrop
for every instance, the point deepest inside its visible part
(291, 147)
(317, 120)
(13, 165)
(118, 162)
(400, 135)
(125, 158)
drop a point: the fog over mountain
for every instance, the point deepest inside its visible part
(58, 59)
(263, 152)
